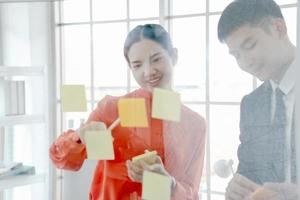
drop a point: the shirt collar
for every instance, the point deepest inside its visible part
(289, 79)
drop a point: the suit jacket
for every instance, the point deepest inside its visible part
(261, 152)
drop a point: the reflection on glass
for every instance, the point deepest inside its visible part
(75, 11)
(227, 81)
(77, 54)
(180, 7)
(110, 66)
(143, 8)
(109, 10)
(189, 39)
(224, 139)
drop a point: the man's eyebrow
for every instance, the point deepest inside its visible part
(248, 39)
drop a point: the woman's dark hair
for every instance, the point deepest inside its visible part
(154, 32)
(242, 12)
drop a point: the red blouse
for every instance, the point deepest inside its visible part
(110, 181)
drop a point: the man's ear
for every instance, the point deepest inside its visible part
(175, 56)
(280, 27)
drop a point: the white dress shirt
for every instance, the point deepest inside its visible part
(287, 85)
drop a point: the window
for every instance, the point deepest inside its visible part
(96, 30)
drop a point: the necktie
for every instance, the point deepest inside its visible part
(280, 110)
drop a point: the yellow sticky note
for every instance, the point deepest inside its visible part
(166, 105)
(261, 193)
(99, 145)
(73, 98)
(132, 112)
(156, 186)
(148, 157)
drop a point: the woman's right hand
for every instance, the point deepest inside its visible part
(135, 172)
(92, 126)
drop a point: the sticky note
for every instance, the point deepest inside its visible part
(148, 157)
(132, 112)
(99, 145)
(166, 105)
(261, 193)
(73, 98)
(156, 186)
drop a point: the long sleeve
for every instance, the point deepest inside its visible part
(187, 188)
(67, 151)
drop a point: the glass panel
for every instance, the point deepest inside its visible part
(144, 8)
(75, 11)
(218, 5)
(109, 10)
(224, 140)
(74, 120)
(33, 140)
(189, 38)
(227, 81)
(290, 16)
(77, 54)
(100, 93)
(198, 108)
(28, 192)
(110, 65)
(283, 2)
(180, 7)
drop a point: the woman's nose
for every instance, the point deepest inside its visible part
(149, 70)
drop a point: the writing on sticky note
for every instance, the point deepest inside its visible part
(73, 98)
(166, 105)
(156, 186)
(99, 145)
(132, 112)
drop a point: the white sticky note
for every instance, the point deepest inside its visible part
(73, 98)
(99, 145)
(166, 105)
(156, 186)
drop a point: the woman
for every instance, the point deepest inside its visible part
(179, 145)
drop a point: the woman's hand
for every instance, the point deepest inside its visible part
(158, 167)
(92, 126)
(135, 170)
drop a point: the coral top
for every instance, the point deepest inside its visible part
(180, 145)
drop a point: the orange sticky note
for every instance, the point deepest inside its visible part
(156, 186)
(166, 105)
(73, 98)
(99, 145)
(132, 112)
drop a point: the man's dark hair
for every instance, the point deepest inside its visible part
(242, 12)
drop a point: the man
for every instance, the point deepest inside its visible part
(256, 35)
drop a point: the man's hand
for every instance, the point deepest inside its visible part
(239, 188)
(285, 191)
